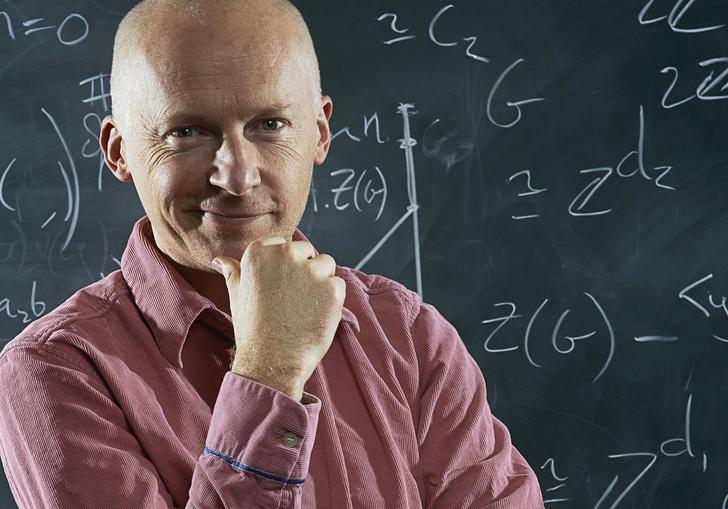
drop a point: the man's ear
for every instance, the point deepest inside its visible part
(324, 142)
(112, 146)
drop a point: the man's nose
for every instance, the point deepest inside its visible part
(236, 166)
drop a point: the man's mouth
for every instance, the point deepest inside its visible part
(229, 218)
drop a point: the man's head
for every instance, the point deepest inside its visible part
(216, 107)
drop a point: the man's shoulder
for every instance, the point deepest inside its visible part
(370, 283)
(83, 308)
(379, 292)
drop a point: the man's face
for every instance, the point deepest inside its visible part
(223, 123)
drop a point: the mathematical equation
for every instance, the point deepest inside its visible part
(631, 165)
(72, 30)
(562, 345)
(640, 462)
(567, 344)
(99, 94)
(57, 248)
(689, 293)
(355, 188)
(441, 141)
(710, 87)
(516, 106)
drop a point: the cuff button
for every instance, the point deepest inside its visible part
(291, 439)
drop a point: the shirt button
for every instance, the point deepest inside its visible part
(291, 439)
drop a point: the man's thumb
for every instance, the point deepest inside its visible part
(221, 265)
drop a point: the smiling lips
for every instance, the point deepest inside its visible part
(230, 219)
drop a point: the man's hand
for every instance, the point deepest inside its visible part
(285, 304)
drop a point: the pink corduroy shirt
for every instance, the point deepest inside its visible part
(122, 397)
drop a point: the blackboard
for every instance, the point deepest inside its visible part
(550, 175)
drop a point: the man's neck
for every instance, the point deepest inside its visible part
(207, 284)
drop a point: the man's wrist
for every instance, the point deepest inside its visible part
(291, 386)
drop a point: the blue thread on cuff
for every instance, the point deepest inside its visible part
(248, 468)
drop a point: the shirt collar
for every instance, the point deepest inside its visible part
(157, 288)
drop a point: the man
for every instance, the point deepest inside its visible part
(273, 379)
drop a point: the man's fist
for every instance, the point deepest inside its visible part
(285, 304)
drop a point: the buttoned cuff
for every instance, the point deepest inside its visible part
(262, 431)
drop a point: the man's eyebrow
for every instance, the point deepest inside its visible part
(276, 107)
(182, 115)
(176, 118)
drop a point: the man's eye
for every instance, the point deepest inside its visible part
(183, 132)
(272, 124)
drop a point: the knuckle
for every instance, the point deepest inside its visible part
(328, 259)
(288, 248)
(339, 287)
(254, 251)
(254, 247)
(256, 244)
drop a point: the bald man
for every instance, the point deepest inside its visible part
(228, 363)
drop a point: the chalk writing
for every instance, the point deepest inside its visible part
(667, 451)
(37, 308)
(704, 88)
(685, 440)
(560, 484)
(712, 303)
(652, 459)
(679, 9)
(531, 191)
(99, 90)
(370, 121)
(98, 93)
(73, 189)
(577, 205)
(431, 30)
(569, 342)
(2, 183)
(406, 143)
(72, 30)
(516, 105)
(369, 193)
(436, 142)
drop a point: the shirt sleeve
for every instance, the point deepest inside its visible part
(64, 442)
(467, 458)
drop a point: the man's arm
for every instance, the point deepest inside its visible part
(467, 458)
(66, 443)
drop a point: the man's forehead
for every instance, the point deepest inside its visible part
(223, 61)
(177, 75)
(178, 69)
(198, 93)
(238, 83)
(179, 56)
